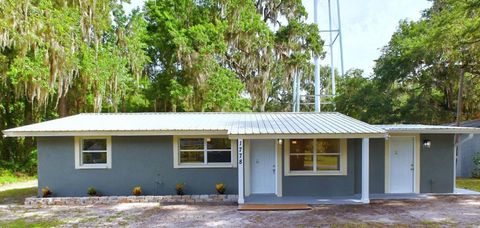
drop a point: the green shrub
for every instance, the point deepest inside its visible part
(9, 176)
(137, 190)
(179, 188)
(46, 192)
(92, 191)
(476, 162)
(220, 187)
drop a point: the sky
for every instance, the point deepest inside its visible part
(367, 26)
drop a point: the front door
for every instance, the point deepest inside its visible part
(262, 160)
(401, 164)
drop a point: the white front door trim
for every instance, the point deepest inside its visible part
(416, 161)
(263, 166)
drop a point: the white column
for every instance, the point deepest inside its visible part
(241, 162)
(365, 170)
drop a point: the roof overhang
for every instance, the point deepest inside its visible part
(431, 131)
(109, 133)
(197, 132)
(428, 129)
(308, 136)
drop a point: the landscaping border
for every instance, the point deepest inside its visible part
(109, 200)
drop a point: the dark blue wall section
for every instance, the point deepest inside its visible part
(436, 164)
(145, 161)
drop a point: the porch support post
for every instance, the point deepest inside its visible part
(241, 162)
(365, 170)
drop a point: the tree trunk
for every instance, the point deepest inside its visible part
(29, 143)
(459, 112)
(460, 97)
(62, 109)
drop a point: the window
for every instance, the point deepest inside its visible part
(316, 157)
(203, 152)
(92, 152)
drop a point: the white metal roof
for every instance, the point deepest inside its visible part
(245, 125)
(426, 129)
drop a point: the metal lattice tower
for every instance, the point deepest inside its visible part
(330, 29)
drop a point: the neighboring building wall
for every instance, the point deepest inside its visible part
(436, 164)
(145, 161)
(465, 159)
(349, 185)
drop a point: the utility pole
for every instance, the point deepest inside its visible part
(317, 82)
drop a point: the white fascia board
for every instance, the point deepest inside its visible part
(308, 136)
(109, 133)
(435, 131)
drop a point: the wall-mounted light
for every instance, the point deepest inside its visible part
(294, 142)
(209, 139)
(280, 141)
(427, 143)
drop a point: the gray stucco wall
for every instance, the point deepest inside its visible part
(436, 164)
(349, 185)
(146, 161)
(377, 167)
(467, 150)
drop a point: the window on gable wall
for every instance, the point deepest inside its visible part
(316, 156)
(93, 152)
(205, 152)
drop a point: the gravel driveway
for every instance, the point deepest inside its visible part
(19, 185)
(440, 211)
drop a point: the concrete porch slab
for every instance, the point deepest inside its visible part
(461, 191)
(311, 200)
(355, 199)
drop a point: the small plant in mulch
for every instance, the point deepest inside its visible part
(220, 187)
(91, 191)
(137, 190)
(180, 188)
(46, 192)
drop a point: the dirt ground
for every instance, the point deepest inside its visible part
(441, 211)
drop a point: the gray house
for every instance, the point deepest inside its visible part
(470, 145)
(320, 155)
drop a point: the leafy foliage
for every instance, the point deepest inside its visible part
(199, 44)
(416, 79)
(476, 163)
(59, 58)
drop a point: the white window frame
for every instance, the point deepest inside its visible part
(79, 150)
(205, 164)
(343, 161)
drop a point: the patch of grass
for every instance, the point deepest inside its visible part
(16, 196)
(434, 224)
(8, 177)
(22, 222)
(468, 183)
